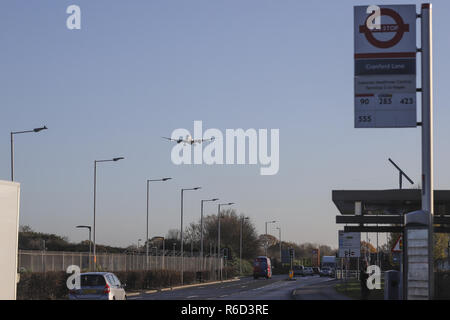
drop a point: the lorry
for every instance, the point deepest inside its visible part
(329, 262)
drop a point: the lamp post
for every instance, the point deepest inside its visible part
(201, 226)
(267, 240)
(90, 243)
(182, 250)
(240, 245)
(148, 193)
(218, 232)
(95, 199)
(35, 130)
(279, 237)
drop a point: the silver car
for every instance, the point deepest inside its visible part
(99, 286)
(308, 271)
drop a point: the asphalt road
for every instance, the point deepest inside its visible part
(277, 288)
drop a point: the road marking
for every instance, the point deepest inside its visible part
(190, 297)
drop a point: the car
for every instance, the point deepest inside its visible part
(325, 272)
(308, 271)
(332, 272)
(316, 270)
(262, 268)
(298, 270)
(98, 286)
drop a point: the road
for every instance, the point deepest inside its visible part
(277, 288)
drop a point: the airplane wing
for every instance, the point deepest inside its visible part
(170, 139)
(202, 140)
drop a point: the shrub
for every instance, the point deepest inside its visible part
(52, 285)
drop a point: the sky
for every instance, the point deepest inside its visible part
(137, 70)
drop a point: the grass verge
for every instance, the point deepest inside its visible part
(352, 289)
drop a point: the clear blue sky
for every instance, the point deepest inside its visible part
(139, 69)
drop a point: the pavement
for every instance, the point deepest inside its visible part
(279, 287)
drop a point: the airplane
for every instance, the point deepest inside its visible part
(188, 140)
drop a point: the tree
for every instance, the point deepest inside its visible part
(230, 227)
(173, 234)
(440, 247)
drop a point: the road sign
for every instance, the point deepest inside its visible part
(385, 67)
(349, 253)
(349, 244)
(398, 247)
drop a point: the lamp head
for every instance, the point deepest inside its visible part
(40, 129)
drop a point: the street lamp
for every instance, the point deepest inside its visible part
(95, 198)
(240, 245)
(218, 232)
(279, 237)
(35, 130)
(267, 240)
(182, 249)
(148, 183)
(90, 243)
(201, 227)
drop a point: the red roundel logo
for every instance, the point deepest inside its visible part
(399, 28)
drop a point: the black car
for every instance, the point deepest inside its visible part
(316, 270)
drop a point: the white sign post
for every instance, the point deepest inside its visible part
(385, 67)
(9, 229)
(349, 244)
(385, 97)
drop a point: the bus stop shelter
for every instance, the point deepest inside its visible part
(384, 210)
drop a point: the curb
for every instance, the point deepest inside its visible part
(202, 284)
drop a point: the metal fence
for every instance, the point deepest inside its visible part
(352, 274)
(42, 261)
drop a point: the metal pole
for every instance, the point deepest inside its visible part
(201, 233)
(95, 190)
(146, 243)
(279, 229)
(266, 243)
(90, 249)
(427, 129)
(12, 156)
(240, 248)
(164, 252)
(218, 242)
(173, 254)
(182, 256)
